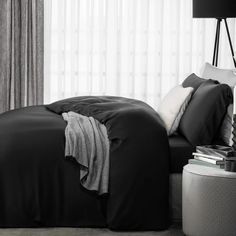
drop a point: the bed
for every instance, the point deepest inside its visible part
(39, 187)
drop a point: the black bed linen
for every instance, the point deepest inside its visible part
(205, 112)
(193, 81)
(180, 152)
(40, 187)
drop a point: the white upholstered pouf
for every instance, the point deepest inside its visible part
(209, 201)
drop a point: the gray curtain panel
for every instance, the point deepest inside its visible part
(21, 53)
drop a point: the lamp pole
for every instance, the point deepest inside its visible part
(230, 42)
(216, 45)
(217, 40)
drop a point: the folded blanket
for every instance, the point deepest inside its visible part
(87, 141)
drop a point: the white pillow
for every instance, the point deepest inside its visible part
(224, 76)
(173, 106)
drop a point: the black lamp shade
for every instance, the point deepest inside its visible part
(214, 8)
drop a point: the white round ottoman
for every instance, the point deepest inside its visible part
(209, 201)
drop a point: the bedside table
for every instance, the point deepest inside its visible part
(209, 201)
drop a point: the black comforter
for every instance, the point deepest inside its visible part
(40, 187)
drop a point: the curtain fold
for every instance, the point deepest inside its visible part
(21, 53)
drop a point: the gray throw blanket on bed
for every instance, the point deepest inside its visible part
(87, 141)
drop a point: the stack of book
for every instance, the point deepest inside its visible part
(213, 156)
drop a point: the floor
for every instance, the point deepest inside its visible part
(173, 231)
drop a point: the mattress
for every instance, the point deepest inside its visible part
(180, 151)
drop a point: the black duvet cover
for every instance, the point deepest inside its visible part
(40, 187)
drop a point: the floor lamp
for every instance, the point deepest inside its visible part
(221, 10)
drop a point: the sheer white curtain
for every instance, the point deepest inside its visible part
(131, 48)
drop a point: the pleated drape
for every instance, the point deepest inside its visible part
(21, 53)
(131, 48)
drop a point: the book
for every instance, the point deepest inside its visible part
(209, 160)
(231, 158)
(208, 156)
(203, 163)
(216, 150)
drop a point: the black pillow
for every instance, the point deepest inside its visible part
(193, 81)
(205, 112)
